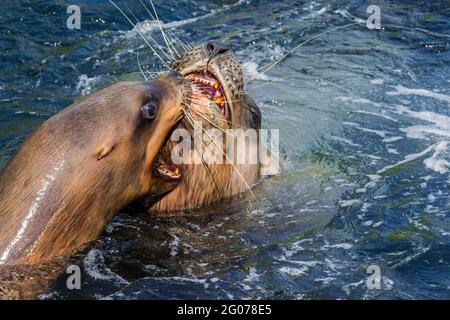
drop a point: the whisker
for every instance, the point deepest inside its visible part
(202, 102)
(272, 82)
(152, 17)
(269, 83)
(226, 156)
(271, 65)
(162, 32)
(140, 68)
(205, 165)
(182, 47)
(210, 121)
(151, 38)
(140, 33)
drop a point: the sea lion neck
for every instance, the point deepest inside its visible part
(80, 167)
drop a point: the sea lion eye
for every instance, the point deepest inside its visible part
(149, 111)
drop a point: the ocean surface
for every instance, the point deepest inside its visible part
(364, 119)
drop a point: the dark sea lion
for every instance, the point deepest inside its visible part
(217, 72)
(84, 164)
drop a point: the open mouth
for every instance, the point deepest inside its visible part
(164, 166)
(168, 169)
(208, 92)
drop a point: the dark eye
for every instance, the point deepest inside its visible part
(149, 111)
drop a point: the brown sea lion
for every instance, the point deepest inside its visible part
(81, 166)
(219, 97)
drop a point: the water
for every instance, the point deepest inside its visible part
(364, 125)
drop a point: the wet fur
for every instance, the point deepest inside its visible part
(199, 186)
(86, 192)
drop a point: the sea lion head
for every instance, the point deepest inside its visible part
(84, 164)
(218, 101)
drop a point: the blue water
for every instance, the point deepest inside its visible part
(364, 123)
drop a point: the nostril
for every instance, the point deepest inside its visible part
(215, 48)
(210, 47)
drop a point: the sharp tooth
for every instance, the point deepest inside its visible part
(176, 171)
(219, 101)
(216, 85)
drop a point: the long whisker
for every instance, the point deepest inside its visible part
(151, 15)
(171, 41)
(151, 38)
(228, 158)
(210, 121)
(140, 33)
(162, 32)
(268, 83)
(202, 103)
(272, 82)
(269, 66)
(153, 18)
(182, 47)
(140, 68)
(182, 44)
(205, 165)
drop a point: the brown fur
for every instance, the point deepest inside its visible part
(200, 186)
(77, 201)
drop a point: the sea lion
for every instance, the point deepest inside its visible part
(82, 165)
(216, 72)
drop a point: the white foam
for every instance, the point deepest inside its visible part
(347, 288)
(348, 203)
(392, 150)
(377, 82)
(401, 90)
(252, 276)
(357, 100)
(408, 158)
(94, 265)
(438, 161)
(380, 133)
(345, 246)
(377, 115)
(321, 11)
(85, 84)
(174, 244)
(344, 13)
(150, 25)
(347, 141)
(440, 127)
(326, 280)
(294, 272)
(377, 224)
(251, 69)
(392, 139)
